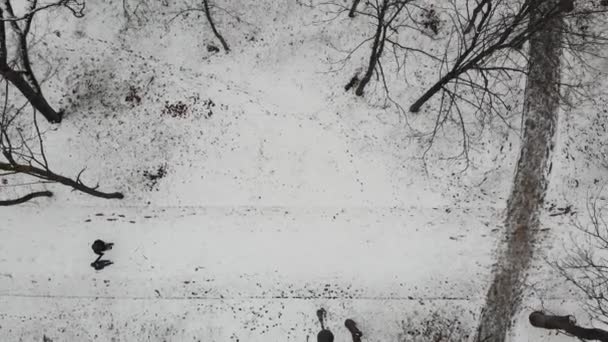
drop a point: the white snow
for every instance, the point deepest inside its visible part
(293, 195)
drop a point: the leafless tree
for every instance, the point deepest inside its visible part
(385, 12)
(389, 18)
(489, 44)
(586, 267)
(212, 24)
(586, 262)
(24, 155)
(17, 69)
(540, 114)
(487, 60)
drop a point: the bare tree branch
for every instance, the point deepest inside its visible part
(26, 198)
(24, 79)
(568, 324)
(502, 28)
(212, 24)
(51, 176)
(75, 6)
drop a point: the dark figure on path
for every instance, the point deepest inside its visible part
(354, 331)
(99, 247)
(324, 335)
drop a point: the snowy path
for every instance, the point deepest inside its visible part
(236, 269)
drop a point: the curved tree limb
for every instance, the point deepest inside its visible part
(212, 24)
(494, 35)
(26, 198)
(51, 176)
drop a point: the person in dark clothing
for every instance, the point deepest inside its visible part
(324, 335)
(354, 331)
(99, 247)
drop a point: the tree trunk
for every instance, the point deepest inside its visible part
(27, 65)
(567, 324)
(31, 89)
(35, 98)
(215, 31)
(353, 8)
(541, 104)
(376, 51)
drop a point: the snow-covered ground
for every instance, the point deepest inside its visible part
(277, 192)
(244, 271)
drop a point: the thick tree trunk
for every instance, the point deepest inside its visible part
(568, 325)
(531, 180)
(35, 98)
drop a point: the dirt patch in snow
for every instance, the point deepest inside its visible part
(154, 176)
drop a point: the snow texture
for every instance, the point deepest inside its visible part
(258, 191)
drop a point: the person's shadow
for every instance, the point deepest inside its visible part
(100, 264)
